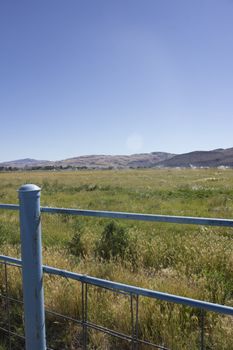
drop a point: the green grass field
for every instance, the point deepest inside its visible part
(187, 260)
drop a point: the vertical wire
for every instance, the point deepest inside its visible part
(136, 325)
(7, 305)
(84, 314)
(202, 325)
(132, 319)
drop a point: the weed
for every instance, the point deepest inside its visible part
(113, 243)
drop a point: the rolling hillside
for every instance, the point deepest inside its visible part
(214, 158)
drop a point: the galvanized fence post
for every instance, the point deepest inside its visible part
(33, 294)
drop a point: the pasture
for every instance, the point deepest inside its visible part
(187, 260)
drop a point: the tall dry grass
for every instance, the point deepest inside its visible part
(185, 260)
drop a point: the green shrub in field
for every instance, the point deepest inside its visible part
(76, 246)
(114, 242)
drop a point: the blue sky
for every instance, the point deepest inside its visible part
(114, 77)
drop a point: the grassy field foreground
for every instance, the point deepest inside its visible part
(187, 260)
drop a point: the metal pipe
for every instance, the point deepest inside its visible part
(33, 294)
(187, 220)
(141, 217)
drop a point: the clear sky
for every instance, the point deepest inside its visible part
(114, 77)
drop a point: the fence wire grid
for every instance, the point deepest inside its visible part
(12, 324)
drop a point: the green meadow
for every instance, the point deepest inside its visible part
(187, 260)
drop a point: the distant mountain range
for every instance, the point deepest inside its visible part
(214, 158)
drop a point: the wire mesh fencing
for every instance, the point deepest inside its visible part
(87, 323)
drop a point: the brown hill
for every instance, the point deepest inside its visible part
(143, 160)
(214, 158)
(119, 161)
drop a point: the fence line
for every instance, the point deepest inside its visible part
(188, 220)
(84, 322)
(32, 269)
(222, 309)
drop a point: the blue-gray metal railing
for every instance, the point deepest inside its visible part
(188, 220)
(31, 253)
(222, 309)
(31, 263)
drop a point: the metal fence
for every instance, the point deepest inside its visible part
(30, 331)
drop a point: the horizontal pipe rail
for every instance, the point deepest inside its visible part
(227, 310)
(9, 206)
(132, 216)
(141, 217)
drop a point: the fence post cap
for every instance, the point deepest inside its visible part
(29, 188)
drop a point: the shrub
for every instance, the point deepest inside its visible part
(113, 243)
(76, 246)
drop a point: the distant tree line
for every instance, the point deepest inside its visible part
(50, 168)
